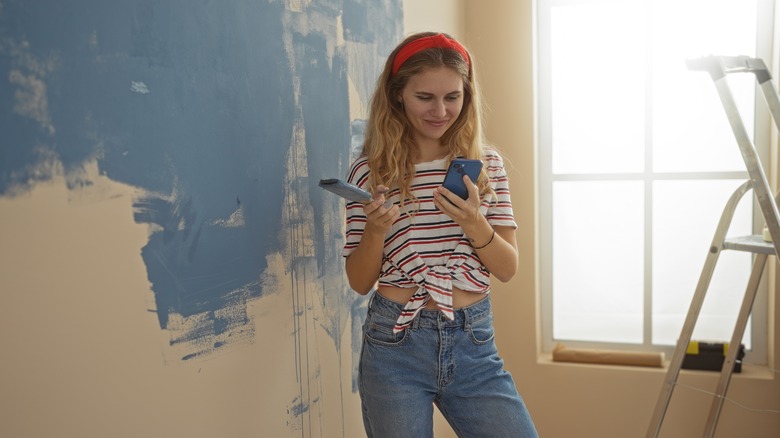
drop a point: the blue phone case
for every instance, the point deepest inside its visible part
(453, 181)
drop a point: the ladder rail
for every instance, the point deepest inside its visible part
(718, 67)
(736, 339)
(697, 301)
(773, 102)
(765, 198)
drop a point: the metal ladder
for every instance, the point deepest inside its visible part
(718, 67)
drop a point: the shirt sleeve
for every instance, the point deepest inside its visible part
(355, 218)
(498, 209)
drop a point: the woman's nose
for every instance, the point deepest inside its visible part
(439, 109)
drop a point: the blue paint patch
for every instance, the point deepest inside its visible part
(195, 104)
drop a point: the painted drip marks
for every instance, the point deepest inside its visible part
(222, 117)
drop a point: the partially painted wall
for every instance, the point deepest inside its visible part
(173, 149)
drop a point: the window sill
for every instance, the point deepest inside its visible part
(749, 371)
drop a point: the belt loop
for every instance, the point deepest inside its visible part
(466, 317)
(416, 321)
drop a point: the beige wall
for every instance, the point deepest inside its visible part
(446, 16)
(83, 357)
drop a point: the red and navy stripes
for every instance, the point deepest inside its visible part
(424, 247)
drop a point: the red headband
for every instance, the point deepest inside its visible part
(438, 41)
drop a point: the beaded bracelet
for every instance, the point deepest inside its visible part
(488, 242)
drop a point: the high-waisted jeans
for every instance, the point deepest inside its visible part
(452, 364)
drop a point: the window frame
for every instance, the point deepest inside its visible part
(762, 131)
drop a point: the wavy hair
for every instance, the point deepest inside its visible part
(389, 146)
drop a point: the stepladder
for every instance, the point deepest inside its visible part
(719, 67)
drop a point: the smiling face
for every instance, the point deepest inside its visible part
(432, 101)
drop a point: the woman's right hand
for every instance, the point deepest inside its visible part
(365, 263)
(379, 217)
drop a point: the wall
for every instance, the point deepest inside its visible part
(168, 265)
(86, 158)
(568, 400)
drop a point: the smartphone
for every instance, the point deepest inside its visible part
(453, 180)
(346, 190)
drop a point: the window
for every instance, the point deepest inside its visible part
(636, 162)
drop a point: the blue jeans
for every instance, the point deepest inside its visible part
(452, 364)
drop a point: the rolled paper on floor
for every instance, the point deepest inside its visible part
(608, 357)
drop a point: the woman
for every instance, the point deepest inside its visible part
(428, 336)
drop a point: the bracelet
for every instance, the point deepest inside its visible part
(488, 242)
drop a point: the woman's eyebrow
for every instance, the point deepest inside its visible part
(428, 93)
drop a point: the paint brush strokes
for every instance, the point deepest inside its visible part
(224, 115)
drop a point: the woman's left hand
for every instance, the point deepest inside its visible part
(496, 247)
(465, 212)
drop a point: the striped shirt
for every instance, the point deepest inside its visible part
(424, 248)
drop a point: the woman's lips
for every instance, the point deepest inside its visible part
(437, 123)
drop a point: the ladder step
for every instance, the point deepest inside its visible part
(755, 244)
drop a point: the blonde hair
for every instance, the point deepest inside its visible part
(388, 144)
